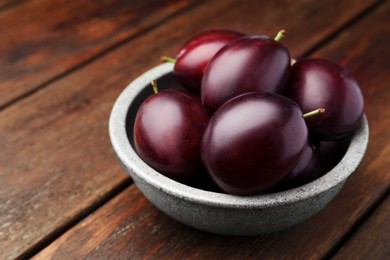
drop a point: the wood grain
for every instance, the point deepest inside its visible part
(138, 230)
(372, 239)
(55, 157)
(4, 4)
(41, 39)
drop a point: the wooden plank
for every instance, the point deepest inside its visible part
(55, 156)
(41, 39)
(4, 4)
(372, 239)
(130, 227)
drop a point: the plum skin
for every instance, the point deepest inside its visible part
(168, 129)
(194, 55)
(318, 83)
(250, 63)
(253, 141)
(306, 170)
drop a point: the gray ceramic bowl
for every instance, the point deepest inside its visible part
(217, 212)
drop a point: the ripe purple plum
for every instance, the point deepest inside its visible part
(194, 55)
(168, 129)
(250, 63)
(306, 170)
(253, 141)
(317, 83)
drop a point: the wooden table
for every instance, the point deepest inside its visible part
(63, 64)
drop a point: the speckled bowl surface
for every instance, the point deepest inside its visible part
(217, 212)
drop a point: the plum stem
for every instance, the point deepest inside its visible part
(154, 85)
(292, 61)
(318, 111)
(280, 35)
(168, 59)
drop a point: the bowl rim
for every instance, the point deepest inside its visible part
(136, 166)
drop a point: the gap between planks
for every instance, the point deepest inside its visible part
(357, 225)
(56, 233)
(342, 28)
(10, 4)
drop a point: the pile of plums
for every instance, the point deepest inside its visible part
(251, 120)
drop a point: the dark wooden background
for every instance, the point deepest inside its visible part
(63, 64)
